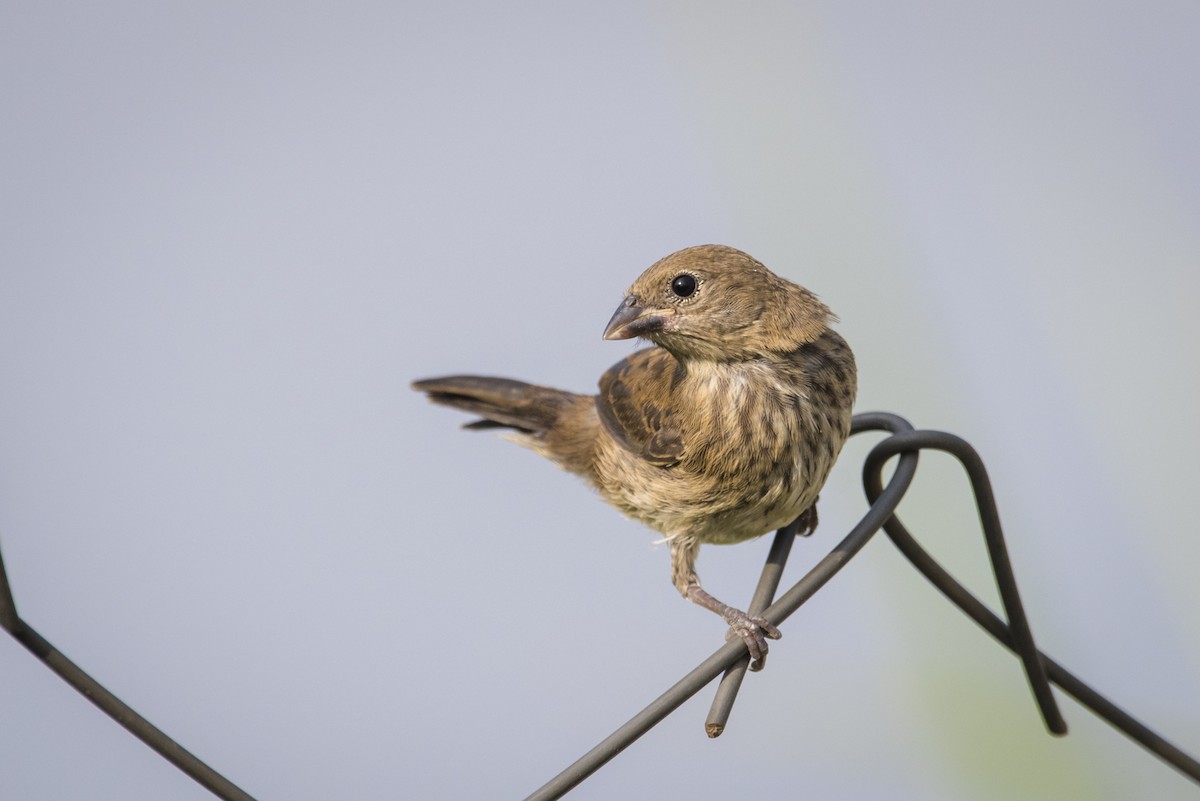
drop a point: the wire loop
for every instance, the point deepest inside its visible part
(731, 658)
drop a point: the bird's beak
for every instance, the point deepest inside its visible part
(631, 320)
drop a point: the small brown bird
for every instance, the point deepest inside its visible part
(725, 431)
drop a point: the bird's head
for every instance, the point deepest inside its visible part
(717, 303)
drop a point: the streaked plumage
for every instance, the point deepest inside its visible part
(724, 431)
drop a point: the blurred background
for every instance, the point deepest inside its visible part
(234, 233)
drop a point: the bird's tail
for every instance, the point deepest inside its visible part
(501, 402)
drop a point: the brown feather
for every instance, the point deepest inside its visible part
(725, 431)
(636, 412)
(500, 401)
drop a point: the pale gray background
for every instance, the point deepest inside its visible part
(233, 233)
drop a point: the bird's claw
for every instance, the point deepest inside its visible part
(806, 523)
(754, 631)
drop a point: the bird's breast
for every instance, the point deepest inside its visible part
(750, 460)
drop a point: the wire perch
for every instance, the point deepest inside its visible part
(731, 658)
(1039, 668)
(110, 704)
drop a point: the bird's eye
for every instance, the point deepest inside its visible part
(684, 285)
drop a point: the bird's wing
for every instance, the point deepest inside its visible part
(635, 406)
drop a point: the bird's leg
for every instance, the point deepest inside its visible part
(754, 631)
(806, 523)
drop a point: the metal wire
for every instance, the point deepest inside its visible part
(1018, 637)
(977, 611)
(768, 583)
(112, 706)
(1039, 668)
(731, 652)
(731, 659)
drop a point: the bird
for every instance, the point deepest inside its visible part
(724, 429)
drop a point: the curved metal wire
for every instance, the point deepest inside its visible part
(112, 706)
(1040, 669)
(730, 659)
(729, 654)
(977, 611)
(1016, 636)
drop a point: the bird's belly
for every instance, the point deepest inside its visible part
(752, 514)
(720, 509)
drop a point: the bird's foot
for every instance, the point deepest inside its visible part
(806, 523)
(750, 629)
(754, 631)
